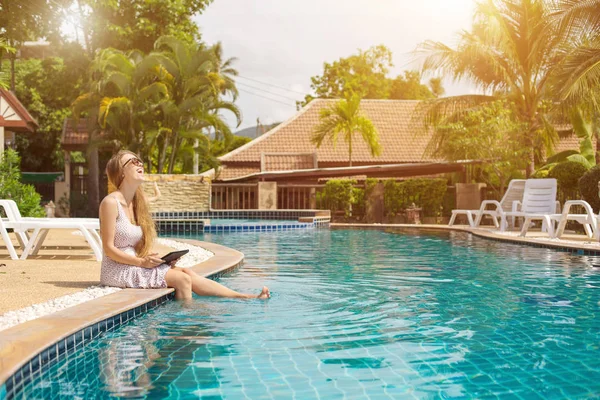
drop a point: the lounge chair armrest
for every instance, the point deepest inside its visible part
(516, 205)
(588, 208)
(557, 208)
(486, 203)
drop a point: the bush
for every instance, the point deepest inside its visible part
(425, 193)
(11, 187)
(339, 195)
(588, 187)
(567, 175)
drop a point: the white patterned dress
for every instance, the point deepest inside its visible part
(116, 274)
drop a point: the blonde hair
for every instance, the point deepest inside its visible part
(141, 213)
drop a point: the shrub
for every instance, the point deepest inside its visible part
(425, 193)
(567, 174)
(588, 187)
(11, 187)
(339, 195)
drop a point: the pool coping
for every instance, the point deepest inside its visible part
(22, 343)
(584, 248)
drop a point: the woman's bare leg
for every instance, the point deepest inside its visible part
(181, 282)
(207, 287)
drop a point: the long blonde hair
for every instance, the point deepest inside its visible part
(141, 213)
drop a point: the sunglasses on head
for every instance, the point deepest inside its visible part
(135, 161)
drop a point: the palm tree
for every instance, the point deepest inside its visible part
(344, 118)
(579, 23)
(513, 51)
(197, 78)
(123, 89)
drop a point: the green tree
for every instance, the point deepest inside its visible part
(137, 24)
(197, 79)
(5, 49)
(409, 87)
(513, 50)
(490, 133)
(12, 188)
(123, 90)
(21, 21)
(436, 86)
(579, 23)
(344, 118)
(364, 73)
(47, 88)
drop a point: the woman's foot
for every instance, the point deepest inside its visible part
(265, 294)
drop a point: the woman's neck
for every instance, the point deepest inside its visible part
(128, 192)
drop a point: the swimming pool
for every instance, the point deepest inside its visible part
(361, 314)
(223, 221)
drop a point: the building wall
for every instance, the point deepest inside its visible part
(178, 192)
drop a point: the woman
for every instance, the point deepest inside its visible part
(128, 232)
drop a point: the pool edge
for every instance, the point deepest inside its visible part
(592, 248)
(23, 347)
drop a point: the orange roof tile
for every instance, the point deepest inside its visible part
(398, 136)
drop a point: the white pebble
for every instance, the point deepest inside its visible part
(195, 256)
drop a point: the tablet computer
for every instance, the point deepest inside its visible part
(174, 255)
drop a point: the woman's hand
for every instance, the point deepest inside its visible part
(150, 261)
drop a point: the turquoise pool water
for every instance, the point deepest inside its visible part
(223, 221)
(361, 314)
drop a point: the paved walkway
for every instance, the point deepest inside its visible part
(64, 265)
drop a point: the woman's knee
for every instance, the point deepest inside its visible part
(189, 272)
(178, 279)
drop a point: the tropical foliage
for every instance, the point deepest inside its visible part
(579, 25)
(514, 51)
(345, 119)
(137, 24)
(588, 187)
(12, 188)
(47, 88)
(160, 104)
(490, 133)
(366, 74)
(424, 193)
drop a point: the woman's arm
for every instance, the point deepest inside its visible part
(108, 221)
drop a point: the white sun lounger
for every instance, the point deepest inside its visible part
(40, 226)
(513, 193)
(539, 203)
(589, 220)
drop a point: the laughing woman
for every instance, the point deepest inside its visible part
(128, 233)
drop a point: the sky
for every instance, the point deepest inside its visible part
(281, 44)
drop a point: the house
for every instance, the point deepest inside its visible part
(286, 156)
(288, 147)
(14, 118)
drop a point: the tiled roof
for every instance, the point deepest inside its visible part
(570, 142)
(398, 136)
(288, 162)
(75, 134)
(13, 115)
(229, 172)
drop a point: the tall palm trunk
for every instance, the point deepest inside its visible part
(163, 155)
(93, 186)
(350, 149)
(174, 150)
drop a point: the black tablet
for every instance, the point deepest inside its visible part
(174, 255)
